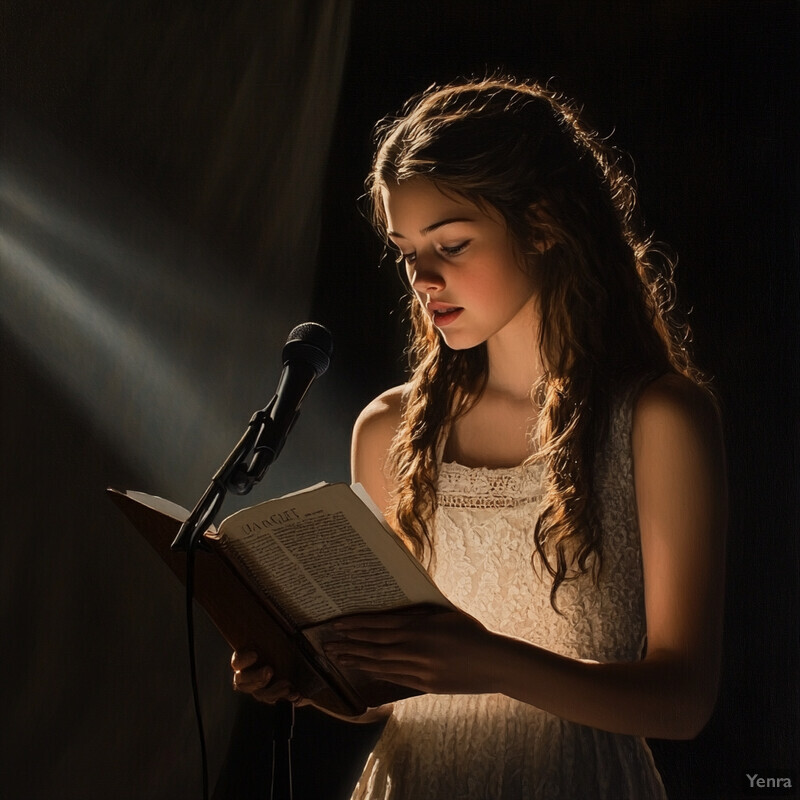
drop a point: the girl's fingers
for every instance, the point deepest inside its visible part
(378, 636)
(353, 648)
(248, 680)
(380, 621)
(280, 690)
(243, 660)
(258, 682)
(389, 629)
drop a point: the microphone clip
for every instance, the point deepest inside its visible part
(250, 469)
(240, 472)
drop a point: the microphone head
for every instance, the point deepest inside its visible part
(310, 343)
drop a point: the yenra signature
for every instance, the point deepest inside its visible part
(768, 783)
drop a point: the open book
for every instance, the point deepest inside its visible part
(274, 576)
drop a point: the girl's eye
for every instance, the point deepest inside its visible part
(455, 249)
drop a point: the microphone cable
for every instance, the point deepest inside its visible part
(190, 553)
(284, 710)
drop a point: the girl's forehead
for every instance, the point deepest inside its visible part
(414, 206)
(419, 189)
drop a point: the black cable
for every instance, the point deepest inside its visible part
(283, 727)
(272, 773)
(193, 665)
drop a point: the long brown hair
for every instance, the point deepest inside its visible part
(605, 294)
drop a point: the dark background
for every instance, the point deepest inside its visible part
(179, 186)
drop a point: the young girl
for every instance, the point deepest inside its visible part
(554, 460)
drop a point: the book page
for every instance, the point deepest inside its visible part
(323, 553)
(160, 504)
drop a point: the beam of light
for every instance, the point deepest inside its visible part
(81, 344)
(155, 342)
(97, 254)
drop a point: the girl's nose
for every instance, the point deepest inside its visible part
(425, 278)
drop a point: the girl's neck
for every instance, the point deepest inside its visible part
(515, 364)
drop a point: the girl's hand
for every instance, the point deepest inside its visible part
(442, 652)
(258, 683)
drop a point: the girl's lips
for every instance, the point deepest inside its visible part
(443, 317)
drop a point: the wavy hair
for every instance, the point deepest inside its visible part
(605, 295)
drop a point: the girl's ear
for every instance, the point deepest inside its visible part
(543, 229)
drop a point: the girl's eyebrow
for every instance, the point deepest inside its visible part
(426, 231)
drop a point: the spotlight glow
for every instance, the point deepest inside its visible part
(152, 339)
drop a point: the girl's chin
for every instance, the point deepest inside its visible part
(460, 342)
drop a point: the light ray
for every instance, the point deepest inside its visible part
(163, 348)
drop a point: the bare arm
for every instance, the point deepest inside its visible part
(373, 433)
(679, 474)
(682, 505)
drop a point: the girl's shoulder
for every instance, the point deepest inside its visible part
(383, 413)
(675, 397)
(373, 434)
(675, 419)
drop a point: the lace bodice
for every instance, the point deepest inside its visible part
(484, 523)
(489, 746)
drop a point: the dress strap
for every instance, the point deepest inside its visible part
(442, 444)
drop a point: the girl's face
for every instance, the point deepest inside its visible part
(461, 264)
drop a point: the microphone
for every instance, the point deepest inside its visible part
(306, 355)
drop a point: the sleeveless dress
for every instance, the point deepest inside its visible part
(489, 746)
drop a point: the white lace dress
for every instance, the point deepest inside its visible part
(482, 747)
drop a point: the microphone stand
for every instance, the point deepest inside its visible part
(235, 475)
(282, 729)
(242, 469)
